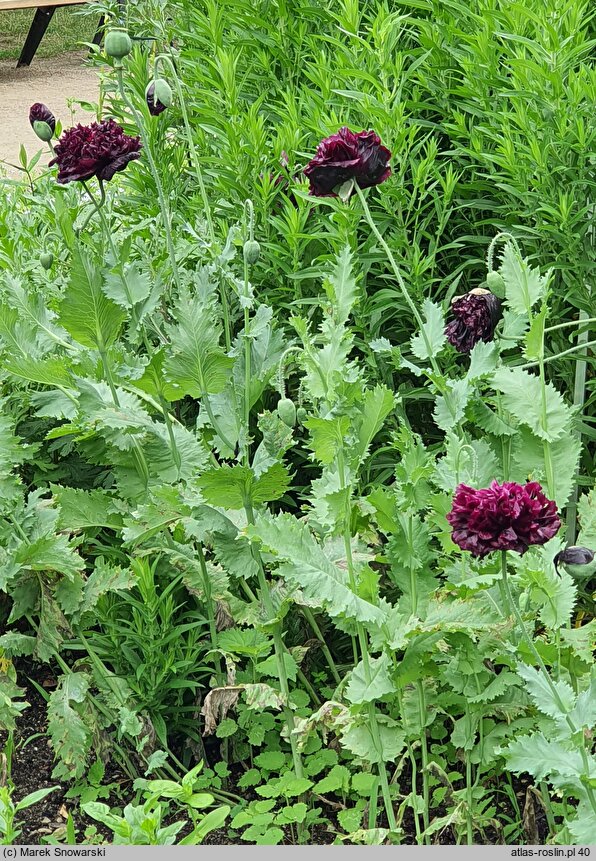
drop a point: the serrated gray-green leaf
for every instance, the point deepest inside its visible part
(103, 579)
(369, 683)
(377, 405)
(357, 738)
(196, 364)
(541, 757)
(524, 286)
(86, 313)
(234, 486)
(543, 694)
(583, 713)
(522, 396)
(69, 736)
(527, 461)
(488, 420)
(341, 287)
(586, 512)
(322, 582)
(84, 509)
(450, 407)
(583, 825)
(47, 372)
(326, 436)
(473, 463)
(483, 360)
(434, 329)
(129, 288)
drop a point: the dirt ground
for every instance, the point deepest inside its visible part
(54, 82)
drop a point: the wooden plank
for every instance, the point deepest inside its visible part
(8, 5)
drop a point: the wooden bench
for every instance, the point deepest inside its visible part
(39, 25)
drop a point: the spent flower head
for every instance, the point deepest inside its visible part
(476, 316)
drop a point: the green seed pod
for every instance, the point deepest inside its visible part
(495, 284)
(118, 44)
(252, 249)
(286, 411)
(46, 258)
(301, 415)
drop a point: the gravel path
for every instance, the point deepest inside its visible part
(53, 82)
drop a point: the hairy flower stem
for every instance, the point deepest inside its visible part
(469, 800)
(210, 613)
(574, 730)
(247, 363)
(309, 616)
(399, 278)
(163, 205)
(581, 346)
(421, 696)
(579, 398)
(191, 146)
(363, 642)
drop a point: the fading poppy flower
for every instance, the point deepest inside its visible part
(476, 316)
(579, 561)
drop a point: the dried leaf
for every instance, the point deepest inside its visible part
(218, 703)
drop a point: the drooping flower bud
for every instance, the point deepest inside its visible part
(495, 283)
(118, 43)
(43, 121)
(579, 561)
(476, 316)
(286, 410)
(252, 250)
(158, 96)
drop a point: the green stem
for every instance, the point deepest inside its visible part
(247, 364)
(173, 445)
(584, 320)
(469, 796)
(513, 609)
(574, 349)
(363, 642)
(579, 397)
(165, 212)
(210, 614)
(402, 286)
(308, 615)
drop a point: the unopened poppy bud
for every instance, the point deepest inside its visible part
(252, 250)
(301, 415)
(496, 284)
(579, 561)
(46, 258)
(42, 121)
(286, 410)
(118, 44)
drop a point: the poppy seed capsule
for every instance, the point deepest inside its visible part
(252, 250)
(118, 44)
(579, 561)
(46, 258)
(301, 415)
(286, 410)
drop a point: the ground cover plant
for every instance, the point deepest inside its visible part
(297, 512)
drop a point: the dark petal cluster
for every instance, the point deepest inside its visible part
(476, 316)
(39, 113)
(154, 105)
(506, 516)
(100, 149)
(574, 556)
(348, 155)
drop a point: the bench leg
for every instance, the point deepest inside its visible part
(99, 32)
(34, 36)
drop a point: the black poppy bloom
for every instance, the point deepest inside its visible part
(476, 316)
(42, 119)
(506, 516)
(348, 155)
(100, 149)
(155, 106)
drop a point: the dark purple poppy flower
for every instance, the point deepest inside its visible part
(155, 106)
(39, 113)
(348, 155)
(506, 516)
(100, 150)
(476, 316)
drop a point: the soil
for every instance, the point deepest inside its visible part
(54, 82)
(33, 763)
